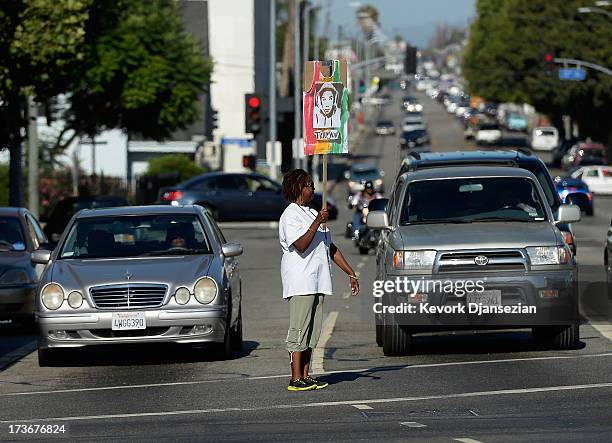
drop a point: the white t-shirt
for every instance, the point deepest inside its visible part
(307, 272)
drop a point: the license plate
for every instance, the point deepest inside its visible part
(491, 297)
(125, 321)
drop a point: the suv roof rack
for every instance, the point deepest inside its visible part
(413, 166)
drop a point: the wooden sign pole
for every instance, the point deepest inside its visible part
(324, 203)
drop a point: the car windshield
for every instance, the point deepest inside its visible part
(546, 132)
(385, 123)
(467, 200)
(11, 235)
(488, 127)
(135, 236)
(364, 174)
(414, 134)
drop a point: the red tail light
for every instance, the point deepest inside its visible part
(172, 196)
(568, 237)
(590, 195)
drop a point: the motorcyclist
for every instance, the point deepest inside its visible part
(361, 200)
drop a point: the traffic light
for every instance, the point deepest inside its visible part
(410, 62)
(252, 117)
(549, 63)
(249, 161)
(213, 119)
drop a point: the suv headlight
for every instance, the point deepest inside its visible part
(52, 296)
(15, 277)
(75, 299)
(548, 255)
(205, 290)
(414, 260)
(182, 296)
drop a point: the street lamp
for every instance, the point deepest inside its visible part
(590, 9)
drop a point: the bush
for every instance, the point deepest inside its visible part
(179, 164)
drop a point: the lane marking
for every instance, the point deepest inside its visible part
(467, 440)
(362, 407)
(320, 404)
(267, 377)
(319, 353)
(360, 265)
(412, 424)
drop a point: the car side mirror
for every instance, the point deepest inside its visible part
(378, 220)
(231, 249)
(568, 214)
(41, 256)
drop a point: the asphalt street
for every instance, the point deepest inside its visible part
(468, 386)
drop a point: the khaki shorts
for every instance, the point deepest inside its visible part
(305, 320)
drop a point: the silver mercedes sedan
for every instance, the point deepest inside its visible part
(139, 274)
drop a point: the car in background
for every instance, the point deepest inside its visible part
(230, 196)
(488, 133)
(141, 274)
(576, 192)
(384, 127)
(597, 178)
(360, 173)
(475, 223)
(62, 212)
(411, 104)
(520, 158)
(562, 149)
(20, 236)
(414, 138)
(584, 154)
(516, 122)
(544, 138)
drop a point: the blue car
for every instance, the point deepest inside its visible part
(575, 191)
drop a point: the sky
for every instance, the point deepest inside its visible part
(415, 20)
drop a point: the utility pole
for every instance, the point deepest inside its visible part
(33, 185)
(297, 87)
(272, 161)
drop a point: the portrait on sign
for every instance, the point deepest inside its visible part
(328, 109)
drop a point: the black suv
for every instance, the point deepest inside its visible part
(520, 158)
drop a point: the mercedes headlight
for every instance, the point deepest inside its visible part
(15, 277)
(182, 296)
(205, 290)
(75, 299)
(548, 255)
(52, 296)
(414, 260)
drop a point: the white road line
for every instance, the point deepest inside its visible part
(320, 404)
(319, 352)
(267, 377)
(467, 440)
(412, 424)
(360, 265)
(362, 407)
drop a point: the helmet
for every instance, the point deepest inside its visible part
(368, 187)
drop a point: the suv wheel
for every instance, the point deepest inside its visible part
(559, 337)
(396, 341)
(236, 333)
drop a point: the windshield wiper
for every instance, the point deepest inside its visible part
(504, 219)
(439, 221)
(174, 251)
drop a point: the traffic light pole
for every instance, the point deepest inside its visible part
(580, 63)
(272, 161)
(297, 84)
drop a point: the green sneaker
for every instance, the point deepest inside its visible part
(301, 385)
(318, 384)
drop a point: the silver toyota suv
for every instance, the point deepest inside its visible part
(473, 247)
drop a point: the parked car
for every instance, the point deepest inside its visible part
(231, 196)
(488, 133)
(575, 191)
(584, 154)
(476, 223)
(360, 173)
(414, 138)
(20, 236)
(62, 212)
(597, 178)
(172, 277)
(385, 127)
(544, 138)
(521, 158)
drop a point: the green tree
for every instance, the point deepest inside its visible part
(172, 164)
(504, 59)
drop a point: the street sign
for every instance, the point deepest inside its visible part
(573, 74)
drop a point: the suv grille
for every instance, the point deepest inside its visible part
(128, 296)
(496, 261)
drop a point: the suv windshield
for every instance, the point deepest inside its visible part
(136, 236)
(365, 174)
(466, 200)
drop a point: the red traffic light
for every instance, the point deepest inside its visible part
(549, 58)
(254, 102)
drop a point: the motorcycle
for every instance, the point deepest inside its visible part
(363, 237)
